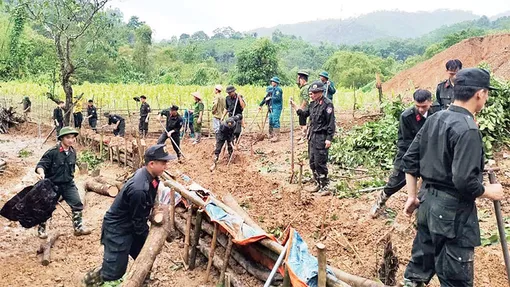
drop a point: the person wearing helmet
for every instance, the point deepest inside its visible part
(119, 123)
(330, 90)
(273, 100)
(217, 108)
(58, 165)
(320, 135)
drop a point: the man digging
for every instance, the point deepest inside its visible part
(172, 129)
(58, 165)
(226, 134)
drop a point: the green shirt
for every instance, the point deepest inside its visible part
(304, 94)
(199, 107)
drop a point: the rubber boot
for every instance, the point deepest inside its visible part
(271, 134)
(197, 138)
(93, 278)
(41, 231)
(324, 186)
(276, 135)
(316, 185)
(213, 166)
(79, 229)
(379, 205)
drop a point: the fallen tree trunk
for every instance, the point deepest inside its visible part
(101, 188)
(45, 249)
(152, 247)
(103, 180)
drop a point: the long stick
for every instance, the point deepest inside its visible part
(291, 143)
(211, 253)
(196, 237)
(277, 264)
(253, 121)
(187, 235)
(225, 262)
(501, 227)
(171, 139)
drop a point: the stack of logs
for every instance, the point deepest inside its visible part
(8, 119)
(206, 236)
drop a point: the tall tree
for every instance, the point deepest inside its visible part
(67, 21)
(258, 64)
(142, 47)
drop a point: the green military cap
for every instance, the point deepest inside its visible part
(324, 74)
(303, 72)
(67, 131)
(275, 79)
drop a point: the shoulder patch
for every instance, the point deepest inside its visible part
(329, 110)
(408, 112)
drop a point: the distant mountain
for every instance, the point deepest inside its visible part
(369, 27)
(504, 14)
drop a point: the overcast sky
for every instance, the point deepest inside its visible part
(171, 17)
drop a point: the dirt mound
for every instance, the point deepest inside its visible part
(493, 50)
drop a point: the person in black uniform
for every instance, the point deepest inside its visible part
(411, 121)
(447, 153)
(235, 105)
(145, 110)
(58, 164)
(444, 92)
(92, 115)
(118, 121)
(125, 227)
(173, 127)
(226, 134)
(320, 134)
(27, 107)
(58, 117)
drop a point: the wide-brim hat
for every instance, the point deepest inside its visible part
(324, 74)
(67, 131)
(303, 72)
(197, 95)
(275, 79)
(230, 89)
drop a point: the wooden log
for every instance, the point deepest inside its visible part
(187, 235)
(152, 247)
(225, 261)
(321, 250)
(45, 249)
(101, 188)
(211, 254)
(84, 168)
(196, 237)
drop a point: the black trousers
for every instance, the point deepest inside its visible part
(70, 194)
(302, 120)
(220, 141)
(143, 127)
(120, 130)
(318, 156)
(448, 231)
(58, 128)
(78, 119)
(395, 183)
(176, 138)
(117, 249)
(93, 123)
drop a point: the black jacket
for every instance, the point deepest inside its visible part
(91, 110)
(448, 154)
(231, 104)
(444, 94)
(172, 123)
(145, 109)
(113, 119)
(58, 115)
(58, 166)
(131, 208)
(322, 121)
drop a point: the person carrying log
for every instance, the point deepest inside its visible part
(92, 115)
(58, 117)
(172, 129)
(320, 134)
(411, 121)
(145, 111)
(58, 165)
(125, 227)
(447, 153)
(226, 134)
(119, 122)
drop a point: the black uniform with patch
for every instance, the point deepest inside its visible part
(410, 123)
(226, 134)
(234, 110)
(121, 128)
(322, 128)
(172, 124)
(125, 227)
(92, 111)
(143, 126)
(59, 167)
(58, 115)
(448, 154)
(444, 94)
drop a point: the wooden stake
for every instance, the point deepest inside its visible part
(225, 261)
(118, 154)
(300, 181)
(101, 144)
(321, 249)
(286, 277)
(125, 154)
(172, 209)
(110, 150)
(45, 249)
(196, 237)
(187, 235)
(211, 253)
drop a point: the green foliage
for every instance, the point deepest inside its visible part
(371, 145)
(24, 153)
(90, 158)
(494, 119)
(257, 65)
(142, 48)
(492, 237)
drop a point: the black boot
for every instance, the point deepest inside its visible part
(93, 278)
(41, 231)
(316, 184)
(324, 186)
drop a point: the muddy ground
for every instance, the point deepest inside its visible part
(259, 180)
